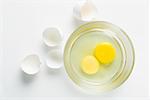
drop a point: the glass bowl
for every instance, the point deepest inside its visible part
(83, 40)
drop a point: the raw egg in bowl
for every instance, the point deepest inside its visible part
(99, 56)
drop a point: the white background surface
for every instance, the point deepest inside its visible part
(23, 24)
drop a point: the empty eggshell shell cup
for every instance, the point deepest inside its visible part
(52, 37)
(85, 10)
(54, 59)
(31, 64)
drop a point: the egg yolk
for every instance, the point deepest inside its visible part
(105, 52)
(89, 65)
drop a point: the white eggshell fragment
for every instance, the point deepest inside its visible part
(31, 64)
(52, 37)
(55, 59)
(85, 10)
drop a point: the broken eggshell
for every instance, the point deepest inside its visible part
(54, 59)
(31, 64)
(52, 37)
(85, 10)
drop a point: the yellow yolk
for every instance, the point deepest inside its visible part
(105, 52)
(89, 65)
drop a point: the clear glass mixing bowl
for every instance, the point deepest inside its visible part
(124, 69)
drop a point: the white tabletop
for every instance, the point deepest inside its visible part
(24, 22)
